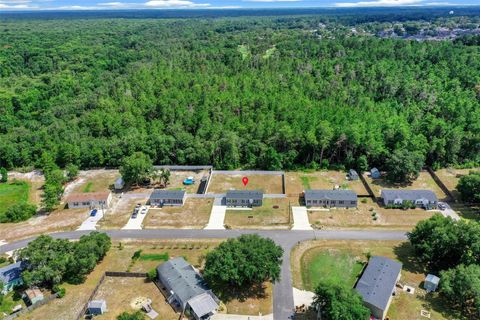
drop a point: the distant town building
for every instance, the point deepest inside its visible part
(431, 283)
(186, 287)
(89, 200)
(377, 284)
(353, 174)
(331, 198)
(119, 183)
(375, 173)
(161, 197)
(244, 198)
(420, 198)
(97, 307)
(11, 276)
(33, 296)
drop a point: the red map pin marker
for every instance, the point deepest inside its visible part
(245, 181)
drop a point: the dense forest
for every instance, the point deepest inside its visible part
(253, 92)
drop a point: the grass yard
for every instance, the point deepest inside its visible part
(94, 181)
(329, 260)
(450, 178)
(126, 294)
(363, 217)
(424, 181)
(260, 217)
(221, 183)
(299, 181)
(193, 214)
(12, 193)
(261, 303)
(10, 301)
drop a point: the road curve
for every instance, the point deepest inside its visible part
(283, 305)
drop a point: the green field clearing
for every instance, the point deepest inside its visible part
(13, 193)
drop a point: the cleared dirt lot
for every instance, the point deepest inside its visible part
(405, 306)
(93, 181)
(451, 176)
(193, 214)
(177, 178)
(265, 216)
(424, 181)
(363, 217)
(120, 211)
(297, 182)
(121, 295)
(221, 183)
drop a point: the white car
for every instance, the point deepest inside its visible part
(144, 210)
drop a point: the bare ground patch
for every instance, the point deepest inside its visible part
(221, 183)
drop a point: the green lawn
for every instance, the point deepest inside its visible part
(10, 301)
(335, 266)
(154, 256)
(12, 193)
(88, 187)
(306, 182)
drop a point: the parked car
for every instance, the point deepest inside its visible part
(442, 206)
(144, 210)
(134, 215)
(93, 213)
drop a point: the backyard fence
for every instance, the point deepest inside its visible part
(367, 186)
(440, 184)
(126, 274)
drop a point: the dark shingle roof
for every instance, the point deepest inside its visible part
(338, 195)
(167, 194)
(11, 272)
(245, 194)
(410, 195)
(378, 281)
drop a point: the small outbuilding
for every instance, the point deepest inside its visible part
(244, 198)
(33, 296)
(90, 200)
(97, 307)
(353, 174)
(161, 197)
(431, 283)
(119, 183)
(375, 173)
(331, 198)
(11, 276)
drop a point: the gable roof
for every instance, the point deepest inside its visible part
(353, 172)
(338, 195)
(411, 195)
(245, 194)
(203, 304)
(180, 277)
(167, 194)
(88, 196)
(378, 281)
(97, 304)
(11, 272)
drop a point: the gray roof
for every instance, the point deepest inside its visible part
(97, 304)
(432, 278)
(352, 172)
(374, 170)
(245, 194)
(203, 304)
(180, 277)
(410, 195)
(11, 272)
(167, 194)
(378, 281)
(338, 195)
(119, 180)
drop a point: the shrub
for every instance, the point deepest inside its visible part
(364, 200)
(152, 275)
(60, 291)
(136, 255)
(20, 212)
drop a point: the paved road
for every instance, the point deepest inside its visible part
(283, 305)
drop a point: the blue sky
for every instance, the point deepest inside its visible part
(212, 4)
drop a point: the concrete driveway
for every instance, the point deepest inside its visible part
(217, 218)
(91, 222)
(300, 219)
(136, 223)
(449, 212)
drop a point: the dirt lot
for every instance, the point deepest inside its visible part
(59, 220)
(93, 181)
(193, 214)
(424, 181)
(119, 259)
(261, 217)
(363, 218)
(120, 211)
(177, 178)
(221, 183)
(298, 182)
(404, 306)
(450, 178)
(124, 295)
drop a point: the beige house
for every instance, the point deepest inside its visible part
(89, 200)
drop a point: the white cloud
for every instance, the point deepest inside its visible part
(271, 0)
(379, 3)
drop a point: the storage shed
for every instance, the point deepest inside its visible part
(431, 283)
(375, 173)
(119, 183)
(96, 307)
(33, 296)
(353, 174)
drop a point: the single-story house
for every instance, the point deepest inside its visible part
(119, 184)
(89, 200)
(375, 173)
(431, 283)
(161, 197)
(97, 307)
(244, 198)
(33, 296)
(377, 284)
(353, 174)
(186, 289)
(331, 198)
(421, 198)
(11, 276)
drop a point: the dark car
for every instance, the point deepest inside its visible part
(93, 213)
(442, 206)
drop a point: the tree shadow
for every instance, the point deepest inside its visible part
(433, 301)
(228, 293)
(404, 253)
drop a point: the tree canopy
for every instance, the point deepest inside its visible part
(461, 286)
(136, 168)
(244, 261)
(469, 187)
